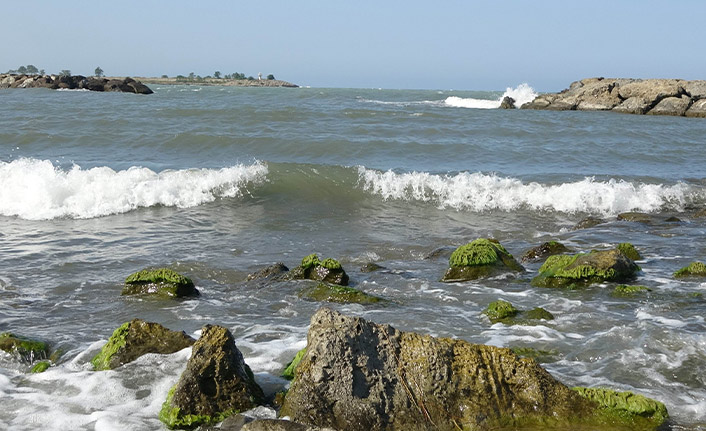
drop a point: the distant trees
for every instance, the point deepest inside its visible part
(165, 76)
(270, 77)
(98, 72)
(29, 69)
(65, 72)
(192, 77)
(217, 75)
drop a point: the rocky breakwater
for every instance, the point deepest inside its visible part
(629, 96)
(73, 82)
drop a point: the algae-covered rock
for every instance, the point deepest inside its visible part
(136, 338)
(538, 313)
(40, 367)
(480, 258)
(504, 312)
(636, 410)
(329, 271)
(216, 383)
(499, 310)
(357, 375)
(544, 250)
(629, 290)
(161, 281)
(340, 294)
(371, 267)
(694, 269)
(288, 372)
(629, 250)
(635, 217)
(584, 269)
(27, 349)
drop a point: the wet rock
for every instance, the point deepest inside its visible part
(329, 271)
(543, 251)
(646, 412)
(587, 223)
(26, 349)
(40, 367)
(504, 312)
(136, 338)
(507, 103)
(629, 250)
(357, 375)
(694, 269)
(371, 267)
(339, 294)
(73, 82)
(275, 270)
(478, 259)
(583, 269)
(539, 355)
(280, 425)
(216, 383)
(162, 282)
(625, 290)
(441, 252)
(500, 310)
(636, 217)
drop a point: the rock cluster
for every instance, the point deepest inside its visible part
(629, 96)
(73, 82)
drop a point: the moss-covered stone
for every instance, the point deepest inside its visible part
(629, 250)
(310, 261)
(371, 267)
(500, 310)
(538, 313)
(162, 282)
(40, 367)
(626, 407)
(291, 367)
(539, 355)
(584, 269)
(136, 338)
(694, 269)
(26, 349)
(544, 250)
(312, 268)
(504, 312)
(478, 259)
(339, 294)
(629, 290)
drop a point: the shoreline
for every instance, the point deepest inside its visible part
(218, 81)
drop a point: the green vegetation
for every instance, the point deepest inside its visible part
(480, 258)
(161, 281)
(628, 290)
(28, 350)
(65, 72)
(40, 367)
(626, 406)
(310, 261)
(174, 419)
(102, 360)
(29, 69)
(339, 294)
(504, 312)
(98, 72)
(499, 310)
(585, 268)
(629, 250)
(695, 269)
(270, 77)
(288, 372)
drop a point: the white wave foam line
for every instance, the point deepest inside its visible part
(481, 192)
(37, 190)
(522, 94)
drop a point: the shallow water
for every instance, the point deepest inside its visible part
(217, 182)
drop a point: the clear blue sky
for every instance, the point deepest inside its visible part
(473, 45)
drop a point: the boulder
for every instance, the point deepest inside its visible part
(339, 294)
(136, 338)
(633, 105)
(27, 349)
(544, 250)
(651, 90)
(507, 103)
(371, 267)
(40, 367)
(139, 88)
(584, 269)
(327, 270)
(504, 312)
(273, 271)
(95, 84)
(216, 383)
(478, 259)
(543, 101)
(694, 269)
(697, 109)
(695, 89)
(588, 223)
(653, 413)
(358, 375)
(161, 282)
(675, 106)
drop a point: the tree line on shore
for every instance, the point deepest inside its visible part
(192, 77)
(31, 69)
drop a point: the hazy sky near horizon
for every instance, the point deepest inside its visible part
(453, 44)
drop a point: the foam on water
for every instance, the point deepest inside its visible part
(484, 192)
(37, 190)
(522, 94)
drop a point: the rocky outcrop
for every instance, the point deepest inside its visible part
(583, 269)
(478, 259)
(694, 269)
(216, 383)
(357, 375)
(136, 338)
(328, 270)
(629, 96)
(507, 103)
(161, 282)
(73, 82)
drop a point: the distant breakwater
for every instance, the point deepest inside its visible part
(629, 96)
(222, 81)
(73, 82)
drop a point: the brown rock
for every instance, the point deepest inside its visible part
(697, 109)
(652, 90)
(671, 106)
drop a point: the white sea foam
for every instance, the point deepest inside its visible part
(522, 94)
(483, 192)
(37, 190)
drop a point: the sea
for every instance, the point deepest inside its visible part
(218, 182)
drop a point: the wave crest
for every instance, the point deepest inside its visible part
(37, 190)
(522, 94)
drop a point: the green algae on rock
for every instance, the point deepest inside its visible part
(629, 250)
(40, 367)
(504, 312)
(544, 250)
(478, 259)
(291, 367)
(636, 410)
(136, 338)
(339, 294)
(694, 269)
(329, 271)
(161, 281)
(584, 269)
(499, 310)
(539, 355)
(216, 383)
(629, 290)
(26, 349)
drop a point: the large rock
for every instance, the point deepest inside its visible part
(633, 105)
(136, 338)
(695, 89)
(507, 103)
(697, 109)
(328, 270)
(478, 259)
(675, 106)
(161, 282)
(358, 375)
(216, 383)
(583, 269)
(651, 89)
(27, 349)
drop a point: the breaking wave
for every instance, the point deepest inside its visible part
(522, 94)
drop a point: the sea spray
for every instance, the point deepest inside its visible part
(522, 94)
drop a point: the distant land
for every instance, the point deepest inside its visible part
(216, 81)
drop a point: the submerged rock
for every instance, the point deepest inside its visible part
(500, 310)
(329, 271)
(216, 383)
(478, 259)
(27, 349)
(136, 338)
(544, 250)
(340, 294)
(694, 269)
(587, 223)
(504, 312)
(356, 375)
(584, 269)
(161, 282)
(279, 425)
(629, 290)
(275, 270)
(371, 267)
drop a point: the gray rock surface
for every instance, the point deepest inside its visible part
(697, 109)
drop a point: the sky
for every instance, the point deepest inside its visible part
(461, 45)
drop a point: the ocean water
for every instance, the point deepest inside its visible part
(217, 182)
